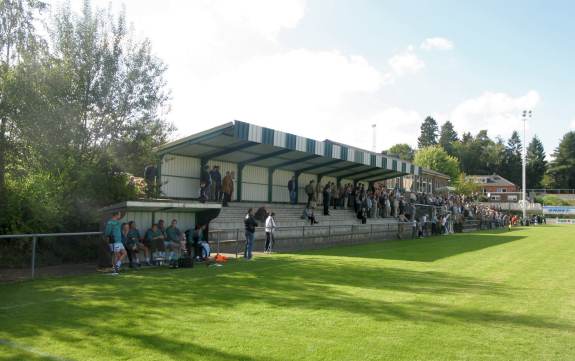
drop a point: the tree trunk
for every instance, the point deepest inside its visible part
(3, 149)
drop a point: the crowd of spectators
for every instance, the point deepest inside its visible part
(157, 245)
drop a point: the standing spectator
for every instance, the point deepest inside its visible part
(227, 188)
(326, 196)
(205, 184)
(270, 229)
(291, 188)
(396, 205)
(216, 178)
(309, 190)
(113, 233)
(334, 196)
(250, 227)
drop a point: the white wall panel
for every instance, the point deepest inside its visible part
(282, 177)
(177, 187)
(280, 194)
(253, 174)
(254, 192)
(181, 166)
(336, 151)
(319, 148)
(300, 144)
(351, 154)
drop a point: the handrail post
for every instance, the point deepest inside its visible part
(34, 241)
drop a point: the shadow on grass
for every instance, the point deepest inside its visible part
(428, 249)
(286, 282)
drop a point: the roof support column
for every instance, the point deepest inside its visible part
(296, 176)
(239, 180)
(270, 184)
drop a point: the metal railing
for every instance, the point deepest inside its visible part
(35, 236)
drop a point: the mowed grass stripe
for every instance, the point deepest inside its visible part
(488, 295)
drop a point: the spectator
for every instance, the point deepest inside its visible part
(309, 215)
(155, 238)
(174, 239)
(326, 195)
(113, 233)
(203, 244)
(205, 184)
(216, 178)
(250, 227)
(227, 188)
(334, 196)
(270, 229)
(309, 190)
(136, 245)
(291, 188)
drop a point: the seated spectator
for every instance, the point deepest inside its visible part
(135, 244)
(174, 239)
(309, 215)
(200, 244)
(155, 238)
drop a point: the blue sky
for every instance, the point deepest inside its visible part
(331, 68)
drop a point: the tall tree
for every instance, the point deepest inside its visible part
(536, 164)
(447, 137)
(18, 41)
(428, 136)
(512, 160)
(437, 159)
(562, 168)
(402, 150)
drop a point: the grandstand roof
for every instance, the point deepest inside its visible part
(249, 144)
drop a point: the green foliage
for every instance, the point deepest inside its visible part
(552, 200)
(479, 154)
(562, 168)
(428, 136)
(448, 138)
(437, 159)
(512, 160)
(81, 115)
(536, 164)
(465, 186)
(403, 151)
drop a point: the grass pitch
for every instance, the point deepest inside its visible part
(482, 296)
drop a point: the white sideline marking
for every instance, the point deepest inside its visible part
(31, 350)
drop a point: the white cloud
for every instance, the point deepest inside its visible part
(396, 125)
(573, 124)
(437, 43)
(406, 63)
(499, 113)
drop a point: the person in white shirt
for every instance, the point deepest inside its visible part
(270, 229)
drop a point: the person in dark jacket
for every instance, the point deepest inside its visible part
(292, 192)
(216, 178)
(205, 184)
(250, 228)
(326, 197)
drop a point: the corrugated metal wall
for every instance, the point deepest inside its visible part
(254, 183)
(143, 219)
(280, 189)
(180, 176)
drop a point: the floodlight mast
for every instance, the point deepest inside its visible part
(526, 113)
